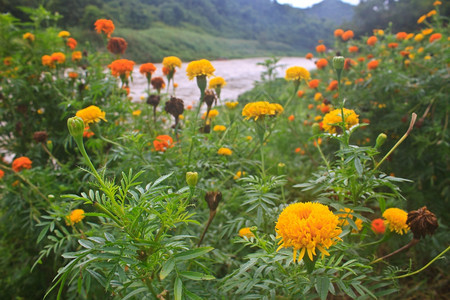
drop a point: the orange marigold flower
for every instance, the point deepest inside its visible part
(162, 143)
(306, 227)
(396, 220)
(121, 67)
(224, 151)
(310, 106)
(87, 133)
(347, 35)
(401, 35)
(370, 56)
(421, 19)
(404, 53)
(353, 49)
(300, 151)
(73, 75)
(431, 13)
(373, 64)
(333, 85)
(71, 43)
(361, 59)
(58, 57)
(21, 163)
(324, 108)
(76, 55)
(47, 61)
(338, 32)
(28, 36)
(2, 174)
(348, 63)
(117, 45)
(393, 45)
(309, 56)
(147, 69)
(246, 232)
(291, 118)
(322, 63)
(371, 41)
(75, 216)
(105, 26)
(435, 37)
(436, 3)
(314, 83)
(321, 48)
(300, 93)
(378, 226)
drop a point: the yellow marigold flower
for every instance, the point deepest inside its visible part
(421, 19)
(40, 111)
(317, 96)
(76, 55)
(171, 62)
(335, 116)
(246, 232)
(137, 112)
(219, 128)
(224, 151)
(239, 174)
(431, 13)
(436, 3)
(212, 114)
(58, 57)
(91, 114)
(75, 216)
(181, 117)
(396, 220)
(63, 34)
(427, 57)
(418, 37)
(231, 105)
(28, 36)
(317, 118)
(217, 82)
(47, 61)
(306, 227)
(420, 50)
(200, 67)
(248, 138)
(409, 36)
(380, 32)
(260, 109)
(297, 73)
(344, 215)
(427, 31)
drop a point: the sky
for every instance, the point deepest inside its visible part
(309, 3)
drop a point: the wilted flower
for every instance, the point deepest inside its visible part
(422, 222)
(396, 220)
(117, 45)
(91, 114)
(40, 136)
(175, 107)
(158, 83)
(21, 163)
(306, 227)
(213, 199)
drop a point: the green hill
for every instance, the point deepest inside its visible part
(332, 10)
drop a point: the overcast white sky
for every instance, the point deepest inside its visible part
(309, 3)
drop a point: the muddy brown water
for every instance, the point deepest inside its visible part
(240, 75)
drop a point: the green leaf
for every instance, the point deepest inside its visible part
(196, 275)
(86, 244)
(167, 268)
(358, 166)
(191, 295)
(178, 289)
(135, 292)
(322, 285)
(42, 233)
(190, 254)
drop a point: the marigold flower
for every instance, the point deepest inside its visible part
(436, 3)
(239, 174)
(105, 26)
(348, 63)
(246, 232)
(147, 69)
(63, 34)
(58, 57)
(158, 83)
(199, 68)
(313, 84)
(76, 55)
(212, 114)
(322, 63)
(427, 31)
(371, 41)
(216, 82)
(353, 49)
(333, 85)
(435, 37)
(28, 36)
(21, 163)
(347, 35)
(121, 67)
(297, 73)
(300, 151)
(404, 53)
(393, 45)
(318, 96)
(344, 215)
(291, 118)
(162, 143)
(401, 35)
(300, 93)
(231, 105)
(136, 113)
(338, 32)
(224, 151)
(117, 45)
(306, 227)
(321, 48)
(171, 62)
(73, 75)
(260, 109)
(396, 220)
(419, 37)
(431, 13)
(317, 118)
(91, 114)
(309, 56)
(75, 216)
(71, 43)
(87, 133)
(373, 64)
(2, 174)
(421, 19)
(219, 128)
(47, 61)
(422, 222)
(378, 226)
(334, 117)
(324, 108)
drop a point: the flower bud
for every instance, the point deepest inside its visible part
(281, 168)
(338, 62)
(76, 127)
(380, 140)
(192, 179)
(316, 128)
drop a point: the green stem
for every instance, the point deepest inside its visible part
(411, 125)
(323, 156)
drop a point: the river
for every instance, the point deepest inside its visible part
(240, 75)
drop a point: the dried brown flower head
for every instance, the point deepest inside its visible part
(209, 98)
(213, 199)
(40, 136)
(153, 100)
(422, 222)
(117, 45)
(175, 107)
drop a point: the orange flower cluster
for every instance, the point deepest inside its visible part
(106, 26)
(373, 64)
(314, 83)
(21, 163)
(347, 35)
(121, 67)
(371, 41)
(401, 35)
(309, 56)
(322, 63)
(76, 55)
(147, 69)
(71, 43)
(321, 48)
(353, 49)
(162, 143)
